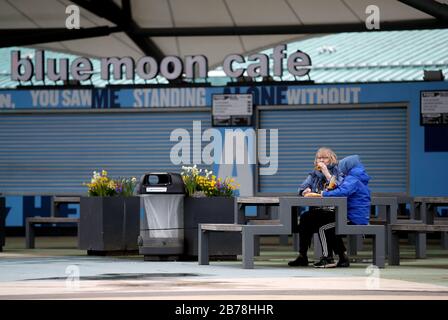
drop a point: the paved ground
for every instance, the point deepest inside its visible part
(52, 272)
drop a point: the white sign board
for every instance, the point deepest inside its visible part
(232, 105)
(434, 102)
(434, 107)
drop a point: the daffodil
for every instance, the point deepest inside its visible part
(103, 186)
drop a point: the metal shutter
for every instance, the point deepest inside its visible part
(378, 135)
(55, 153)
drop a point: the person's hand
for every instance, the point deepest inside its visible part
(323, 167)
(324, 170)
(304, 192)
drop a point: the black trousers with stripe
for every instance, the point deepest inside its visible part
(321, 221)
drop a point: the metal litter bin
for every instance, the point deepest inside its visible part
(161, 227)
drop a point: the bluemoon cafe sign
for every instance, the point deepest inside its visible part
(256, 65)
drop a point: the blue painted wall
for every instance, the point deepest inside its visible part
(428, 170)
(428, 174)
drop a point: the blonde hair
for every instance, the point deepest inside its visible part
(329, 153)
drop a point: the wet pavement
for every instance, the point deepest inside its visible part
(56, 270)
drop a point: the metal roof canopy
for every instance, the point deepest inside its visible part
(214, 28)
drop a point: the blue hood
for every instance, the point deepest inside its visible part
(352, 165)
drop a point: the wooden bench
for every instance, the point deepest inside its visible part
(248, 234)
(56, 201)
(377, 231)
(415, 226)
(54, 218)
(384, 207)
(355, 239)
(30, 222)
(250, 231)
(286, 216)
(425, 222)
(443, 235)
(355, 233)
(426, 208)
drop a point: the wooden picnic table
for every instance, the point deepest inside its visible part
(425, 213)
(280, 226)
(264, 202)
(425, 207)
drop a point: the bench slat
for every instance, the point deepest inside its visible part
(51, 220)
(66, 199)
(222, 227)
(258, 200)
(431, 200)
(409, 221)
(377, 222)
(441, 221)
(419, 227)
(264, 222)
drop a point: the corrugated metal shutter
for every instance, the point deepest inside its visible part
(56, 153)
(378, 135)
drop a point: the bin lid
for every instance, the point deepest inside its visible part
(161, 182)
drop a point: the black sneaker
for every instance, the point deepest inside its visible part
(300, 261)
(343, 262)
(325, 262)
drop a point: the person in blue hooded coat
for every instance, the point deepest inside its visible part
(325, 168)
(355, 187)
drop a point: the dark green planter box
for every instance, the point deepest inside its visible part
(109, 225)
(210, 210)
(2, 222)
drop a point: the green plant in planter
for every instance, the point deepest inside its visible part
(125, 186)
(189, 176)
(101, 185)
(198, 181)
(109, 215)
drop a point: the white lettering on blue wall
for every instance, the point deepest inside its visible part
(6, 101)
(173, 97)
(45, 98)
(105, 98)
(72, 98)
(281, 95)
(331, 95)
(60, 98)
